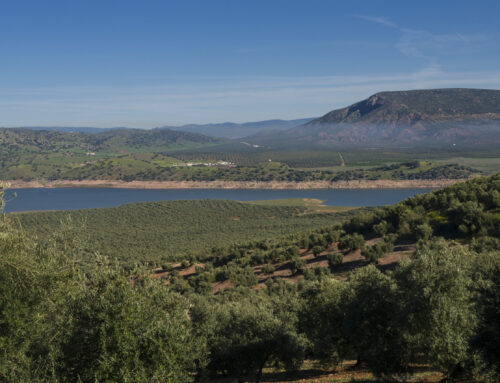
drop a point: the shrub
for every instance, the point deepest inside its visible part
(381, 228)
(167, 267)
(297, 264)
(317, 250)
(335, 259)
(351, 242)
(316, 273)
(423, 231)
(243, 276)
(222, 274)
(379, 249)
(268, 269)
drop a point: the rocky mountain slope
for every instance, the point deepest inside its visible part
(416, 117)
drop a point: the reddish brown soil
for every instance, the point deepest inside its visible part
(351, 261)
(343, 373)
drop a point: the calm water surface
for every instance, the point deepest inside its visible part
(84, 198)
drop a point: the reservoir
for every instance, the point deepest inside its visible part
(85, 198)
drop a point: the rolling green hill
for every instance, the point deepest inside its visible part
(465, 214)
(47, 155)
(18, 141)
(165, 231)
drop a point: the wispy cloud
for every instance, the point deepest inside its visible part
(378, 20)
(423, 44)
(215, 100)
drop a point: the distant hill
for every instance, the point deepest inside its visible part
(225, 129)
(416, 117)
(17, 140)
(235, 130)
(70, 129)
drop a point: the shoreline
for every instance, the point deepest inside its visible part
(277, 185)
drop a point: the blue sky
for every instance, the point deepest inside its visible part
(151, 63)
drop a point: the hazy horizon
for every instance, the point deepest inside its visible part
(140, 65)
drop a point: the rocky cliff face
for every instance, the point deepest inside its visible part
(437, 116)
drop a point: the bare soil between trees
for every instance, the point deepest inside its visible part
(351, 260)
(356, 184)
(347, 372)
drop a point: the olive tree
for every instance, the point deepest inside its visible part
(372, 323)
(247, 334)
(435, 291)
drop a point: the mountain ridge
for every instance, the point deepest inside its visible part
(235, 130)
(220, 130)
(415, 105)
(415, 117)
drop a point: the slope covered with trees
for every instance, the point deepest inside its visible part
(66, 315)
(159, 232)
(16, 141)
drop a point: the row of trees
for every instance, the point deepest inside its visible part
(465, 212)
(65, 320)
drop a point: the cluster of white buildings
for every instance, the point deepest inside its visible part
(210, 164)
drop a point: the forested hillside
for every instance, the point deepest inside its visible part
(68, 314)
(160, 232)
(468, 213)
(21, 141)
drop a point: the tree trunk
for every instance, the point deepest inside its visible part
(358, 362)
(261, 367)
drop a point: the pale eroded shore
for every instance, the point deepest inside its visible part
(360, 184)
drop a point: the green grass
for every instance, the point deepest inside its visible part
(319, 157)
(486, 165)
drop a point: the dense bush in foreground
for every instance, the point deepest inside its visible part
(65, 321)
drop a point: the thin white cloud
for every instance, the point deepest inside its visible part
(215, 100)
(423, 44)
(378, 20)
